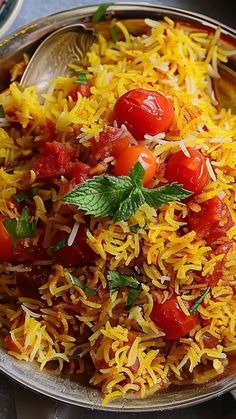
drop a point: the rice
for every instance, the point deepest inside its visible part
(82, 325)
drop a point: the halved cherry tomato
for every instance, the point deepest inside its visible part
(191, 171)
(132, 155)
(112, 142)
(79, 254)
(30, 253)
(143, 112)
(83, 89)
(212, 222)
(171, 319)
(52, 161)
(9, 344)
(6, 244)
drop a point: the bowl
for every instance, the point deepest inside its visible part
(9, 10)
(28, 375)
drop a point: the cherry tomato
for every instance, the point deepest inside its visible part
(112, 142)
(9, 344)
(171, 319)
(143, 112)
(191, 171)
(78, 171)
(212, 222)
(132, 155)
(52, 161)
(79, 254)
(6, 245)
(30, 253)
(83, 89)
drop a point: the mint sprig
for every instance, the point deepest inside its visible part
(121, 196)
(22, 228)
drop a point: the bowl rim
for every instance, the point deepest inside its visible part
(11, 17)
(17, 374)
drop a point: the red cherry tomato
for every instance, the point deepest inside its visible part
(132, 155)
(171, 319)
(79, 254)
(30, 253)
(78, 171)
(212, 222)
(143, 112)
(112, 141)
(6, 245)
(83, 89)
(52, 161)
(191, 171)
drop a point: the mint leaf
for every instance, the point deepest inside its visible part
(98, 15)
(168, 193)
(121, 196)
(197, 303)
(22, 228)
(100, 196)
(117, 280)
(2, 113)
(137, 174)
(19, 197)
(129, 206)
(78, 283)
(58, 245)
(81, 78)
(132, 296)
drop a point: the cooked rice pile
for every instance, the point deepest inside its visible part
(125, 351)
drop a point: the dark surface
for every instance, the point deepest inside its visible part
(29, 405)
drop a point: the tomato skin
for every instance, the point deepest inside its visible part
(112, 142)
(171, 319)
(83, 89)
(6, 245)
(78, 171)
(143, 112)
(52, 161)
(191, 171)
(30, 253)
(9, 344)
(206, 222)
(79, 254)
(132, 155)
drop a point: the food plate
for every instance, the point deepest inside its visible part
(9, 10)
(28, 375)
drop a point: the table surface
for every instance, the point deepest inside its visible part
(16, 402)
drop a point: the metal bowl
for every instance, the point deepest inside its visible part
(28, 375)
(9, 9)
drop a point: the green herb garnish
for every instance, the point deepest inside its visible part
(22, 228)
(81, 78)
(121, 196)
(117, 280)
(32, 193)
(100, 12)
(135, 228)
(197, 303)
(19, 197)
(2, 113)
(78, 283)
(114, 34)
(58, 245)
